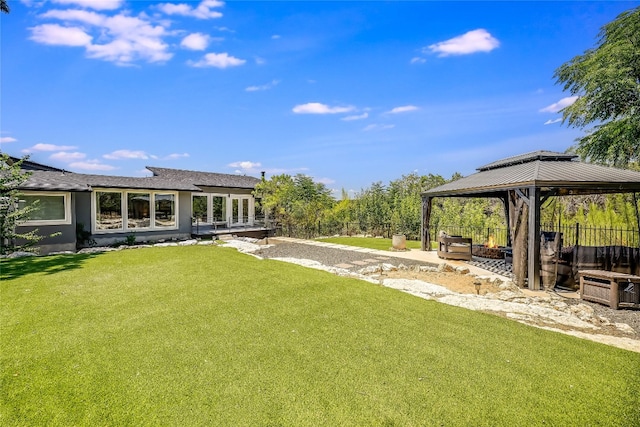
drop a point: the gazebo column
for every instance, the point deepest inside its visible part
(426, 217)
(519, 229)
(534, 239)
(505, 204)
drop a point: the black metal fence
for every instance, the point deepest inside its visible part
(572, 235)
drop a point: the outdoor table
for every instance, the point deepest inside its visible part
(608, 287)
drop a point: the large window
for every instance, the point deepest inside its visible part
(49, 208)
(165, 210)
(219, 208)
(208, 208)
(108, 210)
(140, 208)
(199, 208)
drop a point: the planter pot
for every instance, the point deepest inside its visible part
(399, 242)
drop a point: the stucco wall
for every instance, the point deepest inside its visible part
(64, 241)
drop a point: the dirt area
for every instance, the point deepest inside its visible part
(456, 282)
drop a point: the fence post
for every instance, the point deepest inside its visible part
(577, 234)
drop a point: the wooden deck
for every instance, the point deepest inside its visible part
(214, 231)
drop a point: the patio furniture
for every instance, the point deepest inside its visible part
(454, 247)
(616, 290)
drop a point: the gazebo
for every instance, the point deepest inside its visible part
(524, 183)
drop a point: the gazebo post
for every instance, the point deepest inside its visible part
(505, 204)
(533, 270)
(426, 216)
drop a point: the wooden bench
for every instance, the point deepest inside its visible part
(617, 290)
(454, 247)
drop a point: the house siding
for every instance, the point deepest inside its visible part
(64, 241)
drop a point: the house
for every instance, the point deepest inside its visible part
(172, 204)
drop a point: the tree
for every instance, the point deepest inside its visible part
(295, 202)
(11, 211)
(4, 6)
(606, 80)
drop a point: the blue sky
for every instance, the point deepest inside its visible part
(349, 93)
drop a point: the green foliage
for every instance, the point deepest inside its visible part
(165, 336)
(83, 236)
(295, 202)
(11, 215)
(607, 81)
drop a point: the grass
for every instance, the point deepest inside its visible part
(368, 242)
(208, 336)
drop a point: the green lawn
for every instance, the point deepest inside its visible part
(208, 336)
(368, 242)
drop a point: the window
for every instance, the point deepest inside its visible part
(50, 208)
(121, 211)
(108, 210)
(219, 208)
(138, 210)
(199, 208)
(165, 210)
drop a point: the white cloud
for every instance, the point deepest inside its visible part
(275, 36)
(325, 181)
(123, 39)
(355, 117)
(126, 154)
(195, 41)
(550, 122)
(245, 166)
(91, 165)
(65, 156)
(50, 147)
(262, 87)
(418, 60)
(54, 34)
(471, 42)
(318, 108)
(83, 16)
(217, 60)
(175, 156)
(6, 139)
(403, 109)
(557, 106)
(202, 11)
(93, 4)
(377, 127)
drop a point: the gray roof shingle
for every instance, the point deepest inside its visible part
(163, 179)
(207, 179)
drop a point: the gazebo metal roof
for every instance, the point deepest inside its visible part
(532, 177)
(546, 170)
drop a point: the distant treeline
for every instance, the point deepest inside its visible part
(304, 208)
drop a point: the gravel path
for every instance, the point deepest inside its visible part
(330, 256)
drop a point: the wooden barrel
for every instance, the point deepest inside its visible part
(547, 272)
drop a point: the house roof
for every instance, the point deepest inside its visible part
(542, 169)
(205, 179)
(33, 166)
(163, 179)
